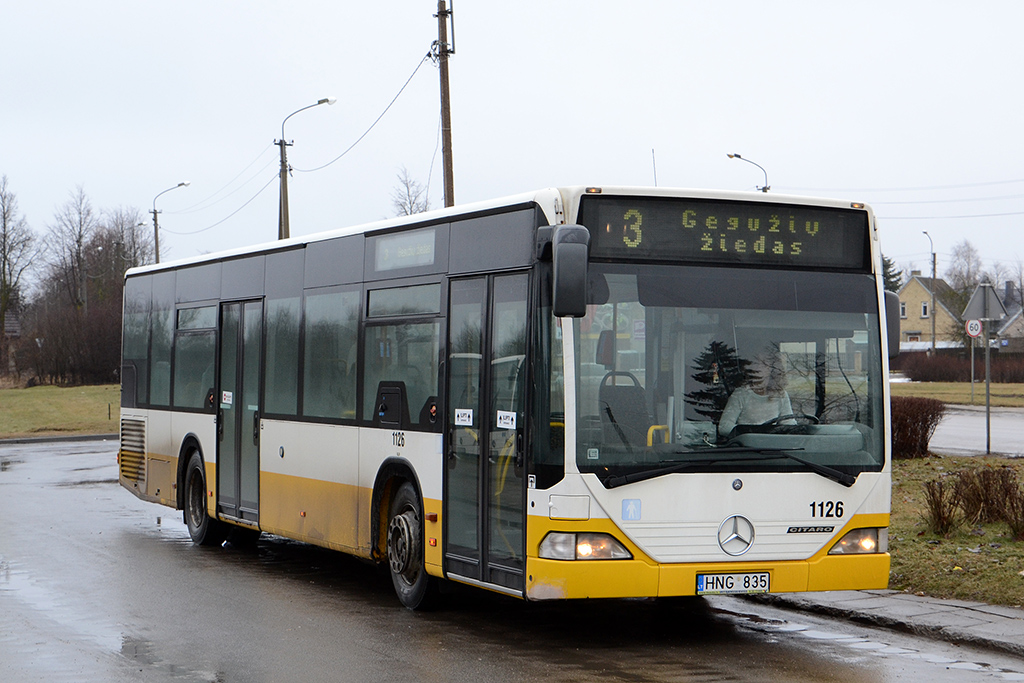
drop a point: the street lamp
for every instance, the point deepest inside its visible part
(763, 188)
(931, 311)
(156, 227)
(283, 229)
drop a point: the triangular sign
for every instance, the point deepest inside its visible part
(984, 305)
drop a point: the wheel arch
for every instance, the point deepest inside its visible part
(189, 444)
(392, 473)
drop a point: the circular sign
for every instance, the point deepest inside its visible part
(973, 328)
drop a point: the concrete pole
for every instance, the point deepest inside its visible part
(283, 228)
(446, 116)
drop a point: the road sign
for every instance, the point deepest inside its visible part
(973, 328)
(984, 304)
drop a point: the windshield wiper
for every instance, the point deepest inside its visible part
(835, 475)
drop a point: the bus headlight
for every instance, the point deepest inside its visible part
(561, 546)
(861, 541)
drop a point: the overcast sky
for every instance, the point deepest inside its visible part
(914, 107)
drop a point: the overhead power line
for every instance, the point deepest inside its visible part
(196, 232)
(937, 218)
(377, 120)
(952, 201)
(925, 188)
(195, 207)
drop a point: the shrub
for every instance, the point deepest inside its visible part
(914, 421)
(942, 368)
(983, 494)
(942, 513)
(1014, 514)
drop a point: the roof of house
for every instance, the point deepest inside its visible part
(937, 285)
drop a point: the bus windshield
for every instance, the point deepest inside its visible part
(697, 369)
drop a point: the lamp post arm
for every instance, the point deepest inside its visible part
(765, 187)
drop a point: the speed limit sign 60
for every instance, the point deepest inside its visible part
(973, 328)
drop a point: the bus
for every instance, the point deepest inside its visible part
(535, 396)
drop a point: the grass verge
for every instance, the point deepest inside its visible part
(1001, 395)
(50, 411)
(974, 562)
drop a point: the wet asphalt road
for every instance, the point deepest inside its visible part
(98, 586)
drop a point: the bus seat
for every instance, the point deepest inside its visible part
(623, 410)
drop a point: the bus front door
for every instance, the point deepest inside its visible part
(238, 416)
(484, 482)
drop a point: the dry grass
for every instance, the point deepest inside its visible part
(975, 561)
(1002, 395)
(48, 411)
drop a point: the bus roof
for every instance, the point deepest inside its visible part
(554, 201)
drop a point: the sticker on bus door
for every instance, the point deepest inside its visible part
(226, 399)
(506, 419)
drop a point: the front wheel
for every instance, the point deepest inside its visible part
(203, 529)
(415, 588)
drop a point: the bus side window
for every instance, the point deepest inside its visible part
(406, 353)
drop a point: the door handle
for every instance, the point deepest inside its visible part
(256, 427)
(220, 424)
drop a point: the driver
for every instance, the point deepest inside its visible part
(762, 399)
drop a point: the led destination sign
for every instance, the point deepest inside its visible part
(709, 231)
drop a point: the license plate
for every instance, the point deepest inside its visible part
(723, 584)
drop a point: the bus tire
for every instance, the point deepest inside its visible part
(416, 589)
(203, 529)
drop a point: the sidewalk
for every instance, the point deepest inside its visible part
(961, 432)
(970, 623)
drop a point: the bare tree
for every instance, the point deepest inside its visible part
(1017, 276)
(17, 253)
(409, 197)
(131, 237)
(965, 269)
(73, 227)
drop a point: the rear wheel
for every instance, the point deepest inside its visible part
(203, 529)
(415, 588)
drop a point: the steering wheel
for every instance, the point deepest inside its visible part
(792, 416)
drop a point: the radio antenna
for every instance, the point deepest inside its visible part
(654, 162)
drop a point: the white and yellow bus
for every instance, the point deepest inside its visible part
(535, 395)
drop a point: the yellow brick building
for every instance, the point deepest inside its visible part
(916, 311)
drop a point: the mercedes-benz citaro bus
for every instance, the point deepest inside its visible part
(585, 392)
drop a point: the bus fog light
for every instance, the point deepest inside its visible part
(562, 546)
(862, 541)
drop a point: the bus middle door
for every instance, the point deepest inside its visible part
(484, 480)
(238, 415)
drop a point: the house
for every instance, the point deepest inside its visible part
(1010, 330)
(917, 316)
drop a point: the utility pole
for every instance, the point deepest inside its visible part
(156, 234)
(443, 50)
(156, 225)
(931, 310)
(284, 230)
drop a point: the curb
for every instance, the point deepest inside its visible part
(1006, 639)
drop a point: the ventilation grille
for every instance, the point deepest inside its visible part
(133, 449)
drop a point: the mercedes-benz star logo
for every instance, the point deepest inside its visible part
(736, 535)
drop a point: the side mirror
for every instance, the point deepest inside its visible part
(570, 247)
(892, 322)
